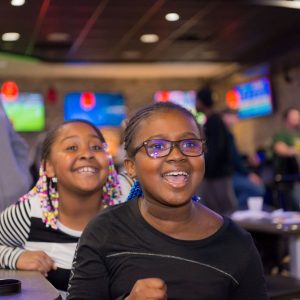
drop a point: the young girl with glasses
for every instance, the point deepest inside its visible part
(163, 243)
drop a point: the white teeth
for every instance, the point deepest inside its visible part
(87, 170)
(176, 174)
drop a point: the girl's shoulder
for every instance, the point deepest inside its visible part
(111, 215)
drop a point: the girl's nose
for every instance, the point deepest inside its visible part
(87, 154)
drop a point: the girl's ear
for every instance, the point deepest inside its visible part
(129, 165)
(49, 169)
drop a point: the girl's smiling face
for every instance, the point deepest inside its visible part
(171, 180)
(78, 159)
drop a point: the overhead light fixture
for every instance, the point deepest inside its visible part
(58, 37)
(17, 2)
(280, 3)
(172, 17)
(10, 36)
(149, 38)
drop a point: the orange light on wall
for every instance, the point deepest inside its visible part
(9, 90)
(87, 100)
(163, 96)
(232, 99)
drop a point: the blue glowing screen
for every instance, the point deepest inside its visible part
(101, 109)
(254, 98)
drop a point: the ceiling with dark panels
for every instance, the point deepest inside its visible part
(109, 30)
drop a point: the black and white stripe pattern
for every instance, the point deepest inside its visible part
(22, 229)
(15, 228)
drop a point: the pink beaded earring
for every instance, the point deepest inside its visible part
(112, 189)
(39, 188)
(48, 195)
(51, 212)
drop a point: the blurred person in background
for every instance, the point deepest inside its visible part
(216, 190)
(286, 148)
(245, 183)
(125, 180)
(15, 178)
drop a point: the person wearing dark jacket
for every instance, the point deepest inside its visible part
(245, 183)
(216, 190)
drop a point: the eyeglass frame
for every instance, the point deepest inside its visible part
(173, 144)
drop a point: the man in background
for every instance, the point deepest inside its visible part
(245, 183)
(216, 191)
(286, 148)
(15, 178)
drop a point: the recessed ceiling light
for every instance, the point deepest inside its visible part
(10, 36)
(58, 37)
(172, 17)
(149, 38)
(280, 3)
(17, 2)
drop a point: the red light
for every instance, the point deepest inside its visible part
(9, 90)
(87, 100)
(163, 96)
(232, 99)
(51, 95)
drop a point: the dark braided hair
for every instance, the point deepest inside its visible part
(144, 113)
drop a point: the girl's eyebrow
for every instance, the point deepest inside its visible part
(183, 135)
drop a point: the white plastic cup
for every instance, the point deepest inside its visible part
(255, 203)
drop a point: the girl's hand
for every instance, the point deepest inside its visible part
(149, 288)
(35, 261)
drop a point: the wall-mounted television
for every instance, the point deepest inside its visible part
(26, 112)
(187, 99)
(251, 99)
(101, 109)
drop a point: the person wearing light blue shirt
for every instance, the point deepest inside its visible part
(15, 178)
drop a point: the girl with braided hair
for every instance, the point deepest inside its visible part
(163, 243)
(77, 180)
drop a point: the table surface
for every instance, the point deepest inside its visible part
(267, 226)
(279, 286)
(291, 231)
(34, 286)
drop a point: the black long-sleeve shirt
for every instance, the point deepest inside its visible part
(218, 158)
(119, 247)
(236, 158)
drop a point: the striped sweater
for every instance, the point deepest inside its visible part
(22, 228)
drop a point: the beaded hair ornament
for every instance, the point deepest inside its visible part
(46, 189)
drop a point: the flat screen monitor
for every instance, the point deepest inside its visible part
(101, 109)
(26, 112)
(186, 99)
(251, 99)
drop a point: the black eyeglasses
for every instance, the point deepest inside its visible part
(161, 148)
